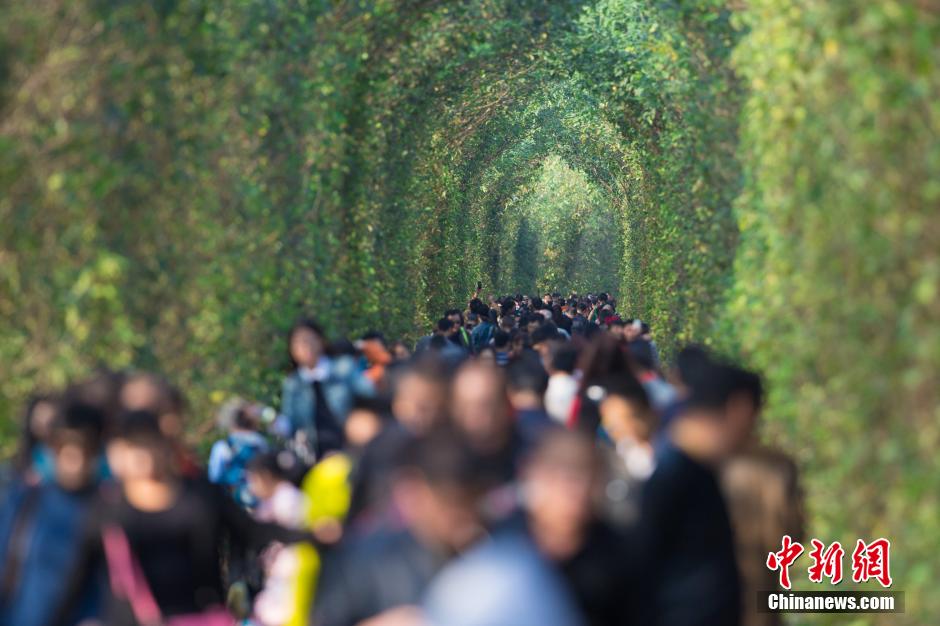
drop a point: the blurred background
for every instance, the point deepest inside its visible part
(178, 178)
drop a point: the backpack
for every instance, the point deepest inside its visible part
(234, 476)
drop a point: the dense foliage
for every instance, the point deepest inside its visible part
(180, 178)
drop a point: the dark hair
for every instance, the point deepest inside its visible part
(141, 427)
(303, 323)
(526, 374)
(377, 405)
(752, 384)
(564, 357)
(444, 324)
(691, 362)
(641, 351)
(103, 391)
(626, 386)
(281, 464)
(84, 419)
(375, 335)
(443, 459)
(714, 383)
(477, 306)
(602, 356)
(500, 339)
(546, 332)
(427, 366)
(246, 418)
(306, 323)
(29, 440)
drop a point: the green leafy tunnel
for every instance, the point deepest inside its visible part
(180, 178)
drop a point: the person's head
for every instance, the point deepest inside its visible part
(472, 320)
(642, 356)
(559, 481)
(445, 327)
(646, 332)
(721, 408)
(455, 316)
(437, 488)
(401, 351)
(264, 472)
(478, 307)
(631, 331)
(487, 355)
(542, 339)
(625, 410)
(532, 322)
(526, 382)
(501, 341)
(479, 405)
(238, 415)
(146, 391)
(419, 394)
(365, 420)
(76, 440)
(103, 389)
(306, 343)
(38, 420)
(547, 299)
(691, 362)
(376, 336)
(507, 323)
(562, 358)
(140, 450)
(603, 356)
(743, 408)
(616, 328)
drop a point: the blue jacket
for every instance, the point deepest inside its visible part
(481, 335)
(51, 539)
(298, 404)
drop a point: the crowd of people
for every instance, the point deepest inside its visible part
(532, 461)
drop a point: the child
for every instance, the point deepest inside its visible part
(279, 501)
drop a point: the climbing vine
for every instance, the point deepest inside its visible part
(181, 178)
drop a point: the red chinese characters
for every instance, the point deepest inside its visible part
(872, 561)
(826, 562)
(782, 560)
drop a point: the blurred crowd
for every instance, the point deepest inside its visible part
(531, 461)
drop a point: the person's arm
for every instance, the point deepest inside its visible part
(289, 423)
(220, 454)
(248, 531)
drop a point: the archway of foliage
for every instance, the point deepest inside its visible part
(561, 235)
(181, 178)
